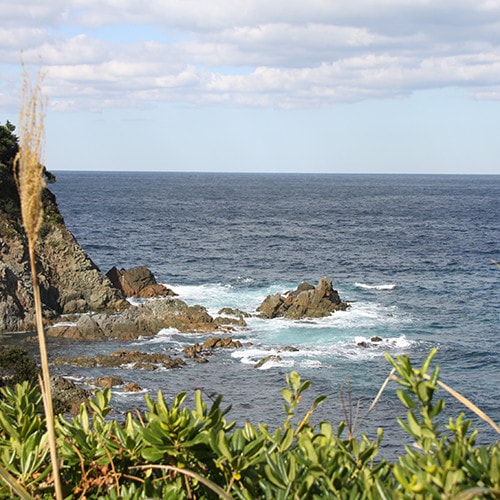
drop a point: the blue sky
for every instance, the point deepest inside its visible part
(386, 86)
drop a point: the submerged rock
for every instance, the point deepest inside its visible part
(304, 302)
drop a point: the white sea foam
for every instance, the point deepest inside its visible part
(314, 356)
(136, 301)
(218, 295)
(128, 394)
(317, 341)
(389, 286)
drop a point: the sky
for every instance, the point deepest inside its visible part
(330, 86)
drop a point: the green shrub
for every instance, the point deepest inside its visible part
(175, 452)
(16, 366)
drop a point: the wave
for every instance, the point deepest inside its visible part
(389, 286)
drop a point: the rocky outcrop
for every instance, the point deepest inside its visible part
(142, 320)
(138, 282)
(69, 281)
(133, 359)
(306, 301)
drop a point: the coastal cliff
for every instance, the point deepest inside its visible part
(70, 282)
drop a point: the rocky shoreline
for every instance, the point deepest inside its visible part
(82, 303)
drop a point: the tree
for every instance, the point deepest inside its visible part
(9, 145)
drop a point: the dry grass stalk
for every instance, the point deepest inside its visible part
(469, 404)
(466, 402)
(30, 183)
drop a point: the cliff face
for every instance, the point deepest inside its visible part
(69, 281)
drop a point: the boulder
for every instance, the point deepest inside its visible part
(132, 387)
(272, 358)
(138, 282)
(109, 381)
(306, 301)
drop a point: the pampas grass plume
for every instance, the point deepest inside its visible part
(28, 167)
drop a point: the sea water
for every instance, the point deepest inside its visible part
(411, 254)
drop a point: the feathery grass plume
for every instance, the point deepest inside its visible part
(28, 168)
(28, 171)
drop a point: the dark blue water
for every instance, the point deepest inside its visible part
(412, 253)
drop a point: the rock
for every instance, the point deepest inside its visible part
(376, 339)
(109, 381)
(225, 321)
(132, 387)
(228, 311)
(67, 396)
(303, 287)
(267, 359)
(137, 282)
(304, 302)
(272, 307)
(192, 351)
(217, 342)
(198, 352)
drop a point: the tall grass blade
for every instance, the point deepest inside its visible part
(29, 177)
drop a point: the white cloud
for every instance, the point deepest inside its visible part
(285, 53)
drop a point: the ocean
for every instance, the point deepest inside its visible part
(411, 254)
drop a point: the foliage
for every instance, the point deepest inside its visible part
(9, 147)
(8, 144)
(16, 366)
(9, 198)
(172, 451)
